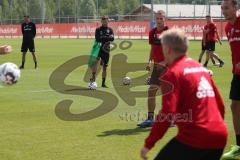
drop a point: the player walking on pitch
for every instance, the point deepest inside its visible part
(209, 39)
(203, 46)
(104, 35)
(202, 135)
(156, 56)
(29, 33)
(232, 29)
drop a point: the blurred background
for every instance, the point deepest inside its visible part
(73, 11)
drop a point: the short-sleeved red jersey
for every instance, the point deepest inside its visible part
(211, 36)
(233, 35)
(155, 42)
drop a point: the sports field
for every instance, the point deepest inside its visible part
(30, 128)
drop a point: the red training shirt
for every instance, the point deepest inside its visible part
(211, 36)
(233, 35)
(155, 42)
(193, 95)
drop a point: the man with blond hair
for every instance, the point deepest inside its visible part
(202, 135)
(155, 57)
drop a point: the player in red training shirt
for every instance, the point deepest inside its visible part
(193, 103)
(203, 46)
(156, 57)
(209, 39)
(232, 29)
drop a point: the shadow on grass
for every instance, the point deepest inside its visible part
(124, 132)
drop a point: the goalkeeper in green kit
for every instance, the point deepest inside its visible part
(105, 36)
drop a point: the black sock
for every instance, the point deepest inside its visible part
(23, 64)
(220, 61)
(238, 140)
(103, 81)
(150, 115)
(35, 64)
(199, 60)
(205, 64)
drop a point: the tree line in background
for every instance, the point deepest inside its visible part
(11, 11)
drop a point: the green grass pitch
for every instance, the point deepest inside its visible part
(29, 128)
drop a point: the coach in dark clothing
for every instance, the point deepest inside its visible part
(105, 36)
(29, 33)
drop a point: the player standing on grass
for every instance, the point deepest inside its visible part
(232, 29)
(104, 35)
(209, 39)
(156, 56)
(202, 135)
(29, 33)
(203, 51)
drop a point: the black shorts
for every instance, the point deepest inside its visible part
(104, 56)
(175, 150)
(235, 88)
(156, 73)
(210, 46)
(28, 45)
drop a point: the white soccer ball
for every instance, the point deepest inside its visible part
(9, 73)
(92, 85)
(210, 72)
(126, 81)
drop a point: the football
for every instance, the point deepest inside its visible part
(9, 73)
(92, 85)
(126, 81)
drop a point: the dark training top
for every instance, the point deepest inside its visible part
(28, 30)
(104, 35)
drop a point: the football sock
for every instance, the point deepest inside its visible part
(35, 64)
(22, 64)
(150, 115)
(220, 61)
(238, 140)
(205, 64)
(103, 81)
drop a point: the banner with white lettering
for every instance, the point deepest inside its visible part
(131, 30)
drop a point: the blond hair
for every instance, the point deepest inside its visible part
(176, 39)
(160, 12)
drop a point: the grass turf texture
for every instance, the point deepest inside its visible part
(31, 130)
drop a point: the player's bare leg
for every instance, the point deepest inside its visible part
(200, 56)
(212, 59)
(152, 91)
(94, 71)
(212, 54)
(207, 59)
(34, 59)
(23, 60)
(104, 75)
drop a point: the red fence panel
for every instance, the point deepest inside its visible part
(128, 30)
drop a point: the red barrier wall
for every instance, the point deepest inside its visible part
(132, 30)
